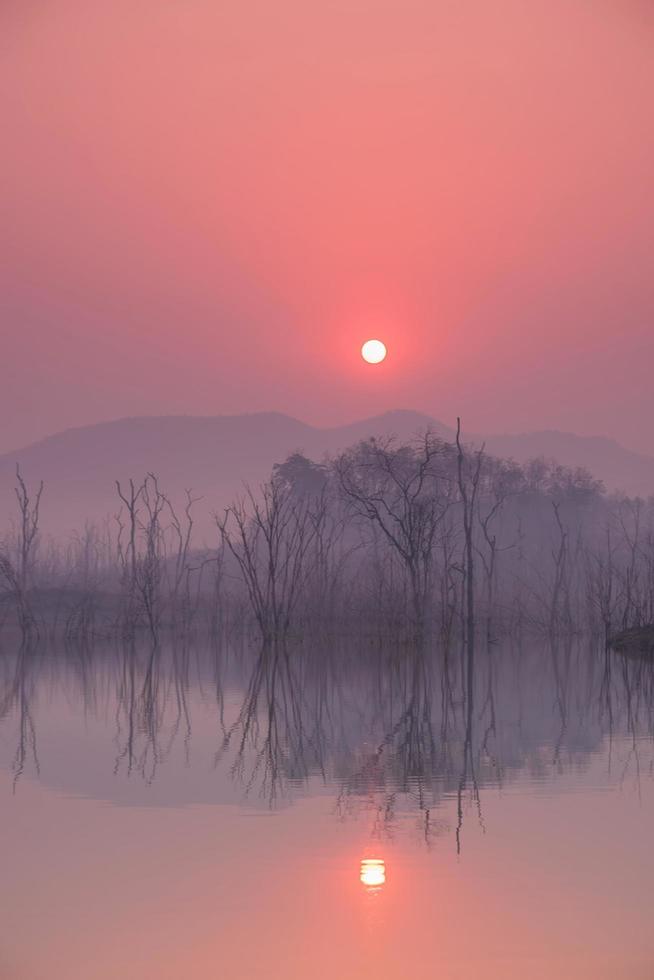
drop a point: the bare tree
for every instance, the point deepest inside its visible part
(141, 556)
(269, 537)
(17, 571)
(500, 481)
(405, 493)
(468, 475)
(182, 531)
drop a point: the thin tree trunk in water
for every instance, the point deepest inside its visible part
(468, 501)
(468, 497)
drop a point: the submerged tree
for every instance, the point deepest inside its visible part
(405, 492)
(17, 562)
(269, 537)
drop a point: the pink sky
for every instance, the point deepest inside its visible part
(207, 205)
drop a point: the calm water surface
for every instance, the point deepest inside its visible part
(343, 811)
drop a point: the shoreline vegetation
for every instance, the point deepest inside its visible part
(389, 539)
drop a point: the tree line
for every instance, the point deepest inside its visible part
(409, 539)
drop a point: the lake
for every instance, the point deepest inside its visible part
(328, 809)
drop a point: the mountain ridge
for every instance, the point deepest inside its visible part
(215, 454)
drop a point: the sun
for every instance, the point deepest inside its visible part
(373, 351)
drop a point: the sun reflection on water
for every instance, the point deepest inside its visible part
(373, 873)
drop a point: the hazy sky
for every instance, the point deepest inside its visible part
(207, 205)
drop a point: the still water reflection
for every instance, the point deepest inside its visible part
(373, 872)
(199, 812)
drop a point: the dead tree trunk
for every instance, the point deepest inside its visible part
(17, 572)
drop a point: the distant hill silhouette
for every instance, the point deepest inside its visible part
(215, 455)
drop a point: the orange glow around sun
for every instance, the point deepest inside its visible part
(373, 873)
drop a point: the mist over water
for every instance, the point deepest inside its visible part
(395, 719)
(320, 808)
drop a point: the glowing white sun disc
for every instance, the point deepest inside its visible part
(373, 351)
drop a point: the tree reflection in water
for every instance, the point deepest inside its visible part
(393, 731)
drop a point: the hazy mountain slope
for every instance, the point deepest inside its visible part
(619, 468)
(214, 455)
